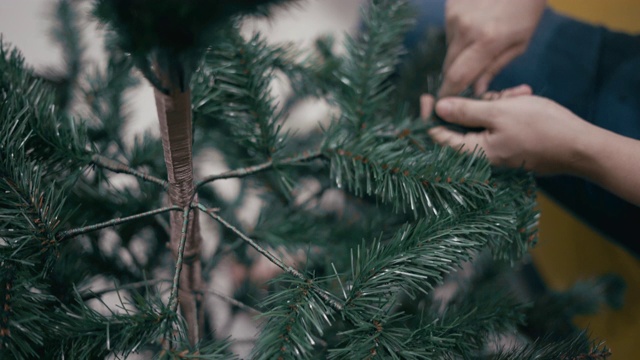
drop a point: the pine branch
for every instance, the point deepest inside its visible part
(206, 350)
(136, 285)
(324, 236)
(83, 333)
(242, 72)
(33, 126)
(334, 304)
(296, 321)
(121, 168)
(67, 33)
(38, 147)
(576, 348)
(26, 310)
(286, 268)
(427, 180)
(462, 330)
(467, 328)
(417, 258)
(383, 336)
(250, 170)
(517, 190)
(365, 95)
(67, 234)
(30, 215)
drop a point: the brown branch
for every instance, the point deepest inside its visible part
(238, 173)
(174, 115)
(121, 168)
(173, 298)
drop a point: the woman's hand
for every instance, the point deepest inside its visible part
(530, 131)
(520, 130)
(483, 36)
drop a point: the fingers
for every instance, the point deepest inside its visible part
(447, 137)
(464, 69)
(455, 45)
(456, 140)
(456, 36)
(465, 112)
(504, 58)
(520, 90)
(491, 95)
(426, 106)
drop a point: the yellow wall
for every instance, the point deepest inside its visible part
(568, 250)
(621, 15)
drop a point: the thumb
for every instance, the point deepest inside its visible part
(447, 137)
(465, 112)
(463, 142)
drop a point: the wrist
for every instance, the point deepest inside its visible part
(586, 152)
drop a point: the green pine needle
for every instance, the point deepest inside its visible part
(233, 86)
(429, 180)
(295, 322)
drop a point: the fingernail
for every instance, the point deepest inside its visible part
(444, 107)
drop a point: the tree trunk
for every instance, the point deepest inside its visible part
(174, 113)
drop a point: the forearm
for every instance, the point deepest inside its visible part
(611, 161)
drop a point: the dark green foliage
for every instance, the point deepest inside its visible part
(365, 94)
(144, 26)
(83, 333)
(233, 87)
(175, 32)
(86, 334)
(296, 321)
(417, 257)
(578, 347)
(383, 337)
(465, 327)
(25, 310)
(41, 149)
(31, 123)
(37, 147)
(423, 179)
(516, 190)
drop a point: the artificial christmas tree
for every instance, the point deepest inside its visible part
(410, 213)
